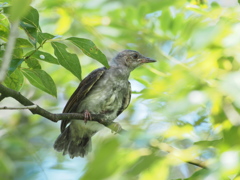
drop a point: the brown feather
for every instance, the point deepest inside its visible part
(80, 93)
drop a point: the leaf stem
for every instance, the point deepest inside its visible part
(41, 45)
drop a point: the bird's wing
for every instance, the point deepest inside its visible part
(126, 100)
(80, 93)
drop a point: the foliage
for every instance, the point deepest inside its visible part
(189, 99)
(26, 64)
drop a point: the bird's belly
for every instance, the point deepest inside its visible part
(107, 102)
(89, 125)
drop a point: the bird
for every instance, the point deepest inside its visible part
(104, 91)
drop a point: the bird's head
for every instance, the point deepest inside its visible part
(131, 59)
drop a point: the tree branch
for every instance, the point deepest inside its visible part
(180, 154)
(2, 97)
(35, 109)
(20, 107)
(56, 117)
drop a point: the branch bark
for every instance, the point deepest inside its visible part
(18, 108)
(7, 92)
(35, 109)
(2, 97)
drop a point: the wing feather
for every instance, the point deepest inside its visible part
(80, 93)
(126, 100)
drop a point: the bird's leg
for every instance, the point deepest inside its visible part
(87, 116)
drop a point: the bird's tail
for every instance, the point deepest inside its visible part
(73, 143)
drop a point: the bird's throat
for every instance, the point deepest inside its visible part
(120, 72)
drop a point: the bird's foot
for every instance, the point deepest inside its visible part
(87, 116)
(116, 127)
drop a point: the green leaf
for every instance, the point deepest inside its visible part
(140, 165)
(14, 64)
(90, 49)
(103, 156)
(17, 53)
(1, 53)
(33, 63)
(41, 80)
(15, 80)
(44, 36)
(4, 27)
(30, 24)
(213, 143)
(43, 56)
(166, 19)
(200, 174)
(66, 59)
(23, 43)
(32, 18)
(19, 8)
(143, 81)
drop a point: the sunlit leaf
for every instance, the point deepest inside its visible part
(229, 136)
(15, 80)
(43, 56)
(17, 53)
(140, 164)
(90, 49)
(19, 9)
(30, 24)
(213, 143)
(66, 59)
(103, 158)
(64, 22)
(33, 63)
(14, 64)
(165, 20)
(41, 80)
(23, 43)
(4, 27)
(200, 174)
(44, 36)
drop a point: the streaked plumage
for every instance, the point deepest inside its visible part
(103, 91)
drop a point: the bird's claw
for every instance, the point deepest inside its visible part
(87, 116)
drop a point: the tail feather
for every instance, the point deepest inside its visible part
(74, 145)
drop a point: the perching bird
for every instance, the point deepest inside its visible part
(103, 91)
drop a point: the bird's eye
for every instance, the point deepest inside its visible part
(135, 56)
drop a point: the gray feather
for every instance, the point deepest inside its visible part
(104, 91)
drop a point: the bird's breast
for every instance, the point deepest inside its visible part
(106, 97)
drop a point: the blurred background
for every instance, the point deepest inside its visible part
(189, 99)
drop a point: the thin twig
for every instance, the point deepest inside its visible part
(18, 108)
(9, 49)
(41, 45)
(181, 155)
(175, 61)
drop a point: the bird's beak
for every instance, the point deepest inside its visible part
(147, 60)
